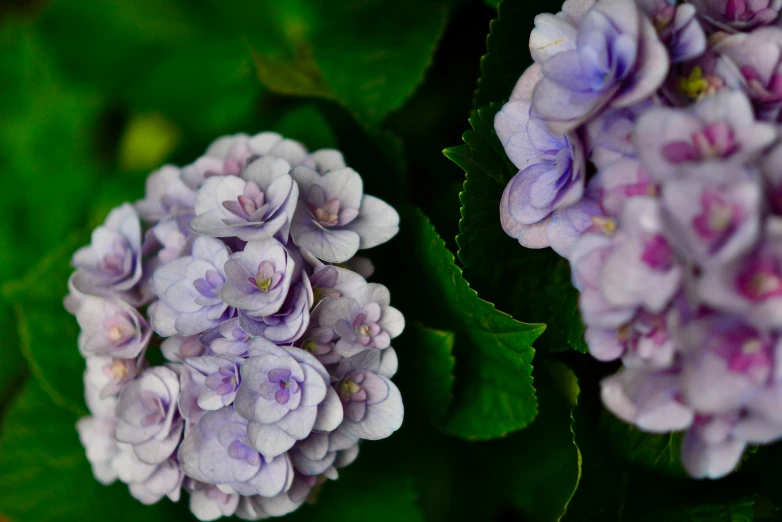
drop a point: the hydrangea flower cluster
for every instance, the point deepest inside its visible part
(241, 269)
(646, 135)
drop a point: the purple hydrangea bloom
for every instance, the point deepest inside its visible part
(752, 285)
(110, 374)
(650, 400)
(372, 403)
(259, 277)
(727, 364)
(166, 196)
(362, 321)
(283, 395)
(384, 363)
(619, 181)
(289, 322)
(610, 134)
(678, 28)
(614, 58)
(97, 436)
(642, 268)
(552, 165)
(189, 289)
(111, 327)
(332, 281)
(259, 507)
(147, 415)
(129, 468)
(321, 342)
(221, 379)
(227, 339)
(713, 220)
(568, 224)
(311, 456)
(192, 384)
(673, 243)
(100, 406)
(167, 240)
(756, 58)
(177, 348)
(262, 423)
(227, 156)
(111, 264)
(587, 259)
(335, 219)
(218, 451)
(259, 205)
(737, 15)
(207, 502)
(709, 449)
(165, 481)
(719, 131)
(645, 342)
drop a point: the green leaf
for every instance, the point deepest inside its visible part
(602, 486)
(507, 53)
(739, 511)
(531, 285)
(45, 476)
(368, 55)
(432, 368)
(157, 56)
(12, 370)
(307, 125)
(546, 455)
(47, 331)
(46, 150)
(493, 393)
(651, 451)
(531, 473)
(221, 99)
(613, 491)
(370, 489)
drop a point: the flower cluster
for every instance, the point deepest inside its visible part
(277, 351)
(647, 141)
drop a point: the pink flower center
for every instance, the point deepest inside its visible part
(657, 254)
(760, 280)
(714, 141)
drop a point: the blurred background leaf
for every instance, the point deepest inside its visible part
(493, 392)
(350, 52)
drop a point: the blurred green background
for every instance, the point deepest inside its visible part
(94, 94)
